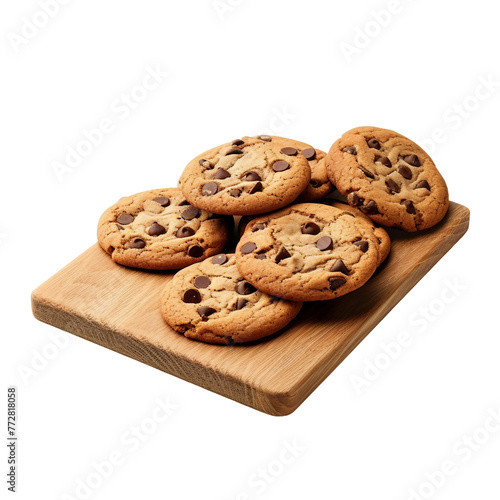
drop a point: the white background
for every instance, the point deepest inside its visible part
(244, 68)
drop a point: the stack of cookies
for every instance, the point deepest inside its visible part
(310, 227)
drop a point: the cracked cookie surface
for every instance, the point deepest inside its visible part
(380, 233)
(160, 230)
(319, 186)
(389, 178)
(211, 301)
(308, 252)
(247, 176)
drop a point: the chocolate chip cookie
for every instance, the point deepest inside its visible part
(160, 230)
(212, 302)
(389, 178)
(319, 186)
(308, 252)
(245, 177)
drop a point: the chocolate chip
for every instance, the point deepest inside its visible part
(209, 189)
(195, 251)
(280, 166)
(325, 243)
(235, 193)
(423, 184)
(205, 163)
(121, 228)
(251, 176)
(351, 150)
(137, 243)
(241, 303)
(163, 201)
(362, 244)
(220, 259)
(185, 232)
(205, 311)
(405, 171)
(393, 186)
(245, 288)
(237, 142)
(309, 153)
(373, 143)
(266, 138)
(315, 183)
(256, 188)
(336, 283)
(310, 228)
(191, 296)
(385, 161)
(222, 174)
(156, 229)
(371, 208)
(258, 227)
(125, 219)
(234, 151)
(412, 160)
(355, 200)
(202, 282)
(261, 257)
(410, 208)
(248, 248)
(190, 213)
(282, 255)
(183, 203)
(366, 172)
(339, 267)
(289, 151)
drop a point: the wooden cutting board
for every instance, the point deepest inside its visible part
(118, 308)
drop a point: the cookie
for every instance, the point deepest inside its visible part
(308, 252)
(380, 233)
(245, 177)
(212, 302)
(160, 230)
(319, 186)
(389, 178)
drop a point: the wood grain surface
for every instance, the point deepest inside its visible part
(118, 308)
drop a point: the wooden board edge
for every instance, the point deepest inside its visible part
(47, 312)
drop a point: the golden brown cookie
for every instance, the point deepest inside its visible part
(212, 302)
(308, 252)
(245, 177)
(389, 178)
(160, 230)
